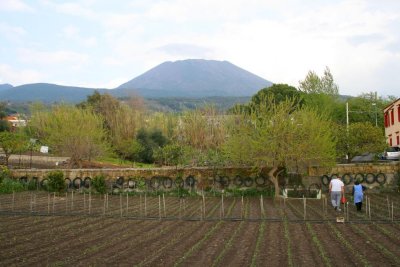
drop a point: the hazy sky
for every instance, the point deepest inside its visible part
(105, 43)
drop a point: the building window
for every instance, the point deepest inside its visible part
(386, 120)
(392, 113)
(398, 139)
(398, 113)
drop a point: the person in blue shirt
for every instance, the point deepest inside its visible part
(358, 194)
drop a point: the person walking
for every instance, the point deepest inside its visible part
(336, 189)
(358, 194)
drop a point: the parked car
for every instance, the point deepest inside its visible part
(392, 153)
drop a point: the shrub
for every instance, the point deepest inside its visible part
(56, 181)
(4, 173)
(10, 185)
(99, 184)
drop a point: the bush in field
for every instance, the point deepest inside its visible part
(4, 173)
(99, 184)
(56, 181)
(9, 185)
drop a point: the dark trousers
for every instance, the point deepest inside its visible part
(359, 206)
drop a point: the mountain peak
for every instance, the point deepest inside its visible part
(196, 77)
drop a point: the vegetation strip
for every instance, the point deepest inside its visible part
(207, 235)
(319, 246)
(260, 238)
(229, 243)
(380, 247)
(349, 246)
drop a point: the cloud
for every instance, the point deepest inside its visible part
(78, 9)
(52, 58)
(185, 50)
(18, 76)
(15, 5)
(11, 33)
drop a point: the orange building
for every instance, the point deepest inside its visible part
(392, 123)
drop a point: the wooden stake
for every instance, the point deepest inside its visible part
(159, 207)
(145, 205)
(204, 206)
(54, 200)
(242, 208)
(388, 205)
(48, 203)
(120, 204)
(392, 212)
(369, 208)
(140, 205)
(13, 201)
(66, 202)
(304, 208)
(31, 202)
(90, 202)
(72, 201)
(84, 202)
(165, 212)
(127, 204)
(366, 205)
(222, 206)
(180, 207)
(104, 205)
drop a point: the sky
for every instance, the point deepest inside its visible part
(103, 43)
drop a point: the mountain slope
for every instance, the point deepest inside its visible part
(45, 92)
(194, 78)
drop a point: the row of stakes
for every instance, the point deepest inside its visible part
(162, 211)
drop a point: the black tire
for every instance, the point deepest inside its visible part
(238, 181)
(87, 182)
(23, 179)
(325, 179)
(68, 183)
(155, 182)
(260, 180)
(120, 181)
(167, 182)
(179, 182)
(359, 177)
(44, 183)
(347, 178)
(190, 181)
(380, 178)
(131, 183)
(248, 182)
(370, 178)
(77, 183)
(222, 180)
(314, 186)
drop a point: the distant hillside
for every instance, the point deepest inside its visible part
(194, 78)
(5, 86)
(47, 93)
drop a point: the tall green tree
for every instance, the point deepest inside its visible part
(321, 93)
(280, 136)
(12, 143)
(359, 138)
(70, 131)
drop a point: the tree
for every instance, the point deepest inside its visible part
(321, 93)
(12, 143)
(70, 131)
(361, 137)
(280, 136)
(4, 124)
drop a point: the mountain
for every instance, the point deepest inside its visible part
(194, 78)
(5, 86)
(47, 93)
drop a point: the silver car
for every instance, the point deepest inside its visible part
(392, 153)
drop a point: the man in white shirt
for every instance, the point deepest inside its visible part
(336, 189)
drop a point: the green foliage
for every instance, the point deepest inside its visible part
(70, 131)
(149, 140)
(9, 185)
(362, 137)
(56, 181)
(99, 184)
(171, 154)
(4, 174)
(313, 84)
